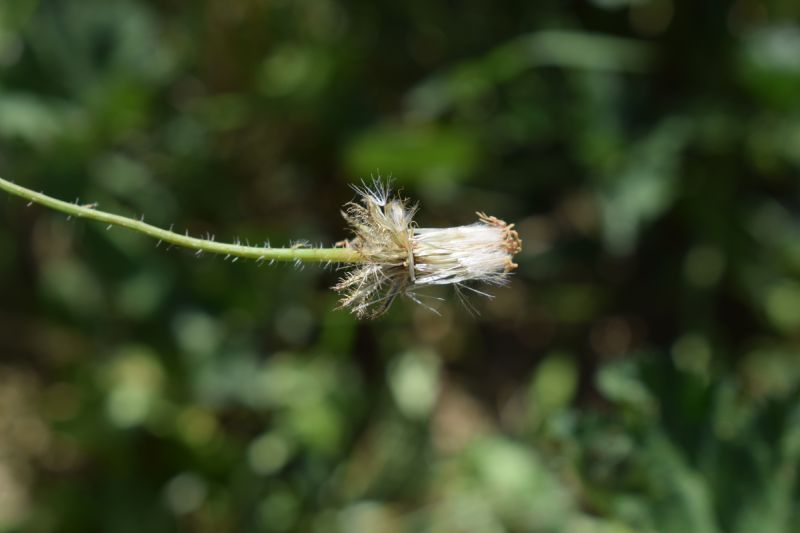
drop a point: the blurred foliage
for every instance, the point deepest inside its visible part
(641, 373)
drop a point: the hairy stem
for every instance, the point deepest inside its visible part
(315, 255)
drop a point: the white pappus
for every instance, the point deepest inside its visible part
(399, 257)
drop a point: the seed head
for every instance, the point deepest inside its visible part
(399, 258)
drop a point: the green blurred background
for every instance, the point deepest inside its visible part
(641, 372)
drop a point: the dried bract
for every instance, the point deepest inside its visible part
(398, 258)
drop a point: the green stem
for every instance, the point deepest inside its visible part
(315, 255)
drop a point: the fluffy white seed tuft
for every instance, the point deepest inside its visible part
(398, 258)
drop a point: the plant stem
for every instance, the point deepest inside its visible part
(315, 255)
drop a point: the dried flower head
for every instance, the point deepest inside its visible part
(398, 257)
